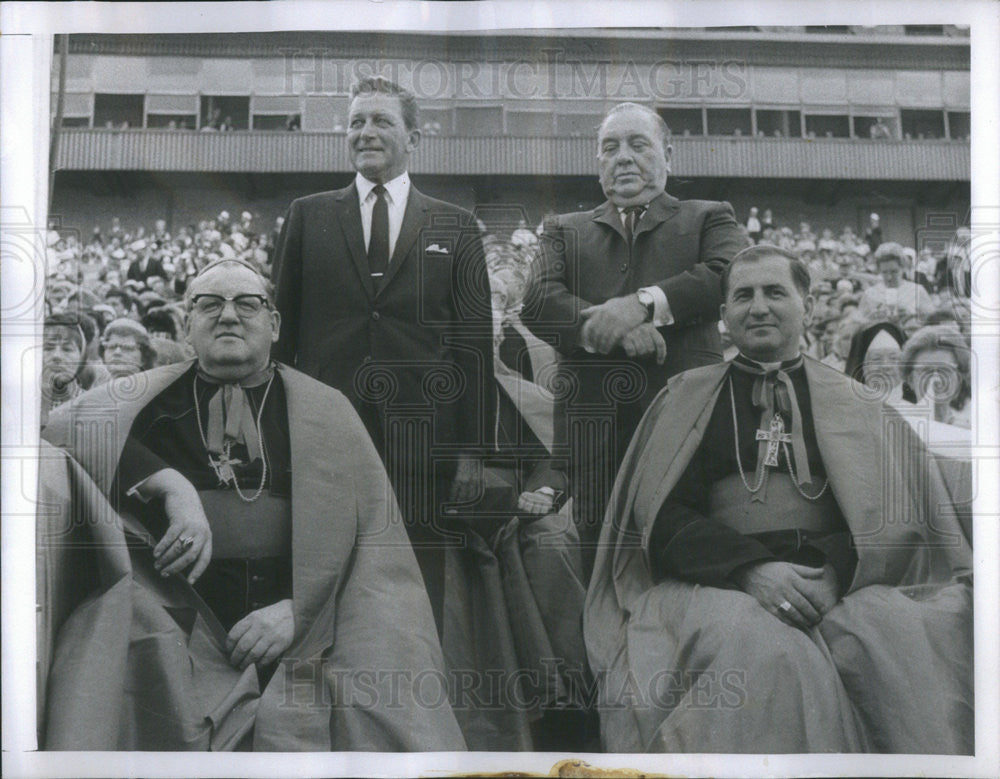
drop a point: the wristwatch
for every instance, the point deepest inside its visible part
(646, 299)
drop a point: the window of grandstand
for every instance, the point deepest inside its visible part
(277, 121)
(118, 112)
(923, 29)
(324, 113)
(174, 112)
(225, 112)
(683, 121)
(779, 124)
(828, 126)
(171, 121)
(529, 124)
(875, 127)
(276, 112)
(435, 121)
(578, 125)
(921, 124)
(77, 108)
(830, 29)
(472, 122)
(728, 121)
(959, 126)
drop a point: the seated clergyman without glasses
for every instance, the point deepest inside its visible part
(781, 546)
(260, 486)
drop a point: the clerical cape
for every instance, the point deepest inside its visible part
(684, 667)
(140, 663)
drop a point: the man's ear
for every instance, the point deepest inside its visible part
(413, 139)
(275, 325)
(667, 152)
(808, 302)
(722, 312)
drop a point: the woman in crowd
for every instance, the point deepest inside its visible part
(935, 366)
(63, 350)
(125, 348)
(874, 360)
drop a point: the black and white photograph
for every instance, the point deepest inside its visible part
(425, 388)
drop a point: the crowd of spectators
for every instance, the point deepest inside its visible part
(114, 299)
(895, 318)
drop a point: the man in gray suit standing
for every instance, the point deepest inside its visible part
(383, 294)
(628, 293)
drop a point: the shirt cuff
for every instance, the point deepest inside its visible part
(585, 338)
(662, 315)
(135, 491)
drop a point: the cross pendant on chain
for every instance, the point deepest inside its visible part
(775, 435)
(223, 467)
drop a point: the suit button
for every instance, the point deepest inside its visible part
(368, 358)
(256, 579)
(376, 315)
(623, 267)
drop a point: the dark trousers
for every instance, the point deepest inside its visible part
(597, 445)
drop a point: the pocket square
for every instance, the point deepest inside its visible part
(435, 249)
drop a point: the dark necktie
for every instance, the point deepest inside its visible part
(378, 243)
(632, 216)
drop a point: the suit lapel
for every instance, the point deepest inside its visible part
(661, 209)
(608, 214)
(348, 214)
(413, 223)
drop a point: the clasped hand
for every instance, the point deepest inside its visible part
(807, 592)
(261, 636)
(621, 321)
(536, 502)
(468, 482)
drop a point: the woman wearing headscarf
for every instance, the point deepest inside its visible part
(874, 360)
(63, 350)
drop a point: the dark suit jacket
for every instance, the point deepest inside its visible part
(680, 246)
(153, 268)
(420, 346)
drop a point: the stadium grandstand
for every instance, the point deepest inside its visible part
(824, 125)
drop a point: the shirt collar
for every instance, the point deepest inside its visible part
(397, 189)
(644, 207)
(770, 366)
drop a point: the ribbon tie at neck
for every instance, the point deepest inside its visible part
(774, 393)
(230, 417)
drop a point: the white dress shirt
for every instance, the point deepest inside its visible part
(396, 193)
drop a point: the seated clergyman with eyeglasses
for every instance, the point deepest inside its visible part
(275, 546)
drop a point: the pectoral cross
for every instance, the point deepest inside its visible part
(775, 436)
(223, 466)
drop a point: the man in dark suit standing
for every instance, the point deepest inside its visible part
(628, 293)
(383, 293)
(142, 268)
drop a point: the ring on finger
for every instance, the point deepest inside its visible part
(785, 607)
(186, 542)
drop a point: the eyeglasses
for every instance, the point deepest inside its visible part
(246, 306)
